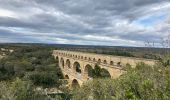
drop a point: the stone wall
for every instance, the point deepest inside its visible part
(113, 64)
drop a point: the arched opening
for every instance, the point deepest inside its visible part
(89, 70)
(105, 62)
(62, 62)
(75, 84)
(85, 58)
(66, 77)
(89, 59)
(81, 57)
(111, 63)
(94, 59)
(57, 59)
(105, 73)
(99, 72)
(99, 61)
(68, 63)
(119, 64)
(77, 67)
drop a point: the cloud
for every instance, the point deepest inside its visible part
(90, 22)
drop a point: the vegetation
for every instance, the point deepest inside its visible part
(98, 72)
(19, 90)
(34, 63)
(141, 83)
(32, 66)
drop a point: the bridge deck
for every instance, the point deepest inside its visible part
(103, 57)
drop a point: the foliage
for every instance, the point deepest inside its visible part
(98, 72)
(165, 61)
(35, 66)
(35, 62)
(19, 90)
(127, 67)
(45, 79)
(141, 83)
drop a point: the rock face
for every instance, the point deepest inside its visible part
(74, 65)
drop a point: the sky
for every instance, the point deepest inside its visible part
(85, 22)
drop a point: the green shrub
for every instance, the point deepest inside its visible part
(141, 83)
(45, 79)
(19, 90)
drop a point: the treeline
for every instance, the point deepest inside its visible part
(148, 53)
(139, 52)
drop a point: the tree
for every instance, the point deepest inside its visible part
(143, 82)
(45, 79)
(19, 90)
(98, 72)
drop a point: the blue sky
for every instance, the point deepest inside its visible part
(85, 22)
(149, 21)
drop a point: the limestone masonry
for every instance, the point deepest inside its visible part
(75, 65)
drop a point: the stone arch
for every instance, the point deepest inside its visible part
(75, 84)
(105, 62)
(111, 63)
(66, 77)
(57, 59)
(88, 70)
(119, 64)
(68, 63)
(89, 59)
(105, 73)
(85, 58)
(77, 67)
(99, 61)
(81, 57)
(62, 62)
(94, 59)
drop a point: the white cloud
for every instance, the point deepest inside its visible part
(7, 13)
(96, 22)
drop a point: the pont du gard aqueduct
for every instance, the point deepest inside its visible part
(74, 65)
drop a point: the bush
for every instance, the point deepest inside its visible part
(45, 79)
(141, 83)
(18, 90)
(98, 72)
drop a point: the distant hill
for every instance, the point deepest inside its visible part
(140, 52)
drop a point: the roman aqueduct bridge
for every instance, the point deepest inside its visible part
(75, 65)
